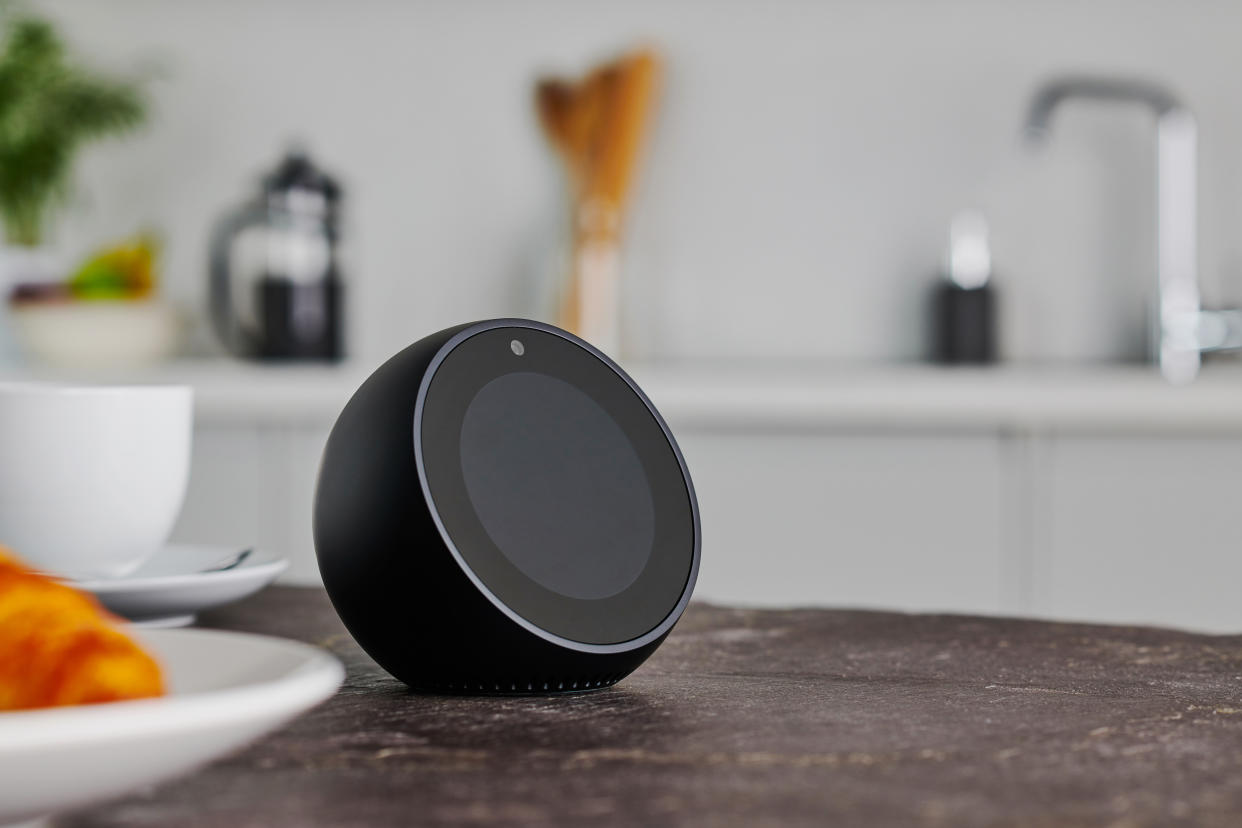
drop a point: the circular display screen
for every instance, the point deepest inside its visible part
(556, 484)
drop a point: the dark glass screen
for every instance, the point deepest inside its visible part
(557, 485)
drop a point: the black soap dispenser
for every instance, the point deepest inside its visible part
(964, 315)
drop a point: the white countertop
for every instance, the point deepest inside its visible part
(763, 396)
(1132, 398)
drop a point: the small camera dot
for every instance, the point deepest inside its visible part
(517, 347)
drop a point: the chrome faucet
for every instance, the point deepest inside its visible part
(1181, 329)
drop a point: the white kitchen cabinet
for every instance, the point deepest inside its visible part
(854, 519)
(1144, 529)
(1106, 497)
(224, 498)
(253, 486)
(1092, 527)
(301, 450)
(880, 520)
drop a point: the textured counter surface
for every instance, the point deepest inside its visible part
(757, 718)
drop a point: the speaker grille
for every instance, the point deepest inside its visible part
(524, 686)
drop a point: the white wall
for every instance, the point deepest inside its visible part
(807, 160)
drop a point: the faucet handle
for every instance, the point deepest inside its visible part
(1219, 330)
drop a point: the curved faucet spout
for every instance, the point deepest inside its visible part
(1177, 341)
(1057, 90)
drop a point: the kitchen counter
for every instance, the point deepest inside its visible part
(756, 717)
(784, 395)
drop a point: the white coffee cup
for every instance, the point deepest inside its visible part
(91, 477)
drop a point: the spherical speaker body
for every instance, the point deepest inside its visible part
(500, 509)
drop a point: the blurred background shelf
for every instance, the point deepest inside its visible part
(928, 397)
(762, 395)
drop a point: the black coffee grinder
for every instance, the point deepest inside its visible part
(276, 291)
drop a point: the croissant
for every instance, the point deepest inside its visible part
(58, 646)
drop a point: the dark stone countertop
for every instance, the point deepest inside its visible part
(755, 717)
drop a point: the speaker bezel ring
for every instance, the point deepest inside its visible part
(676, 611)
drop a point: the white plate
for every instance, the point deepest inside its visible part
(226, 689)
(169, 589)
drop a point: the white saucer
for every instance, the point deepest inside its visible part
(226, 690)
(171, 588)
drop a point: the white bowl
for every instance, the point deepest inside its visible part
(227, 689)
(91, 477)
(86, 334)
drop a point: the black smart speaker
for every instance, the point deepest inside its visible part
(500, 509)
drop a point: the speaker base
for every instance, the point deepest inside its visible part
(515, 687)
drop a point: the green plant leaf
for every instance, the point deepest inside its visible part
(50, 106)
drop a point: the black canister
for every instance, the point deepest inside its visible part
(964, 303)
(965, 324)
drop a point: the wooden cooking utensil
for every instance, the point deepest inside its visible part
(598, 126)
